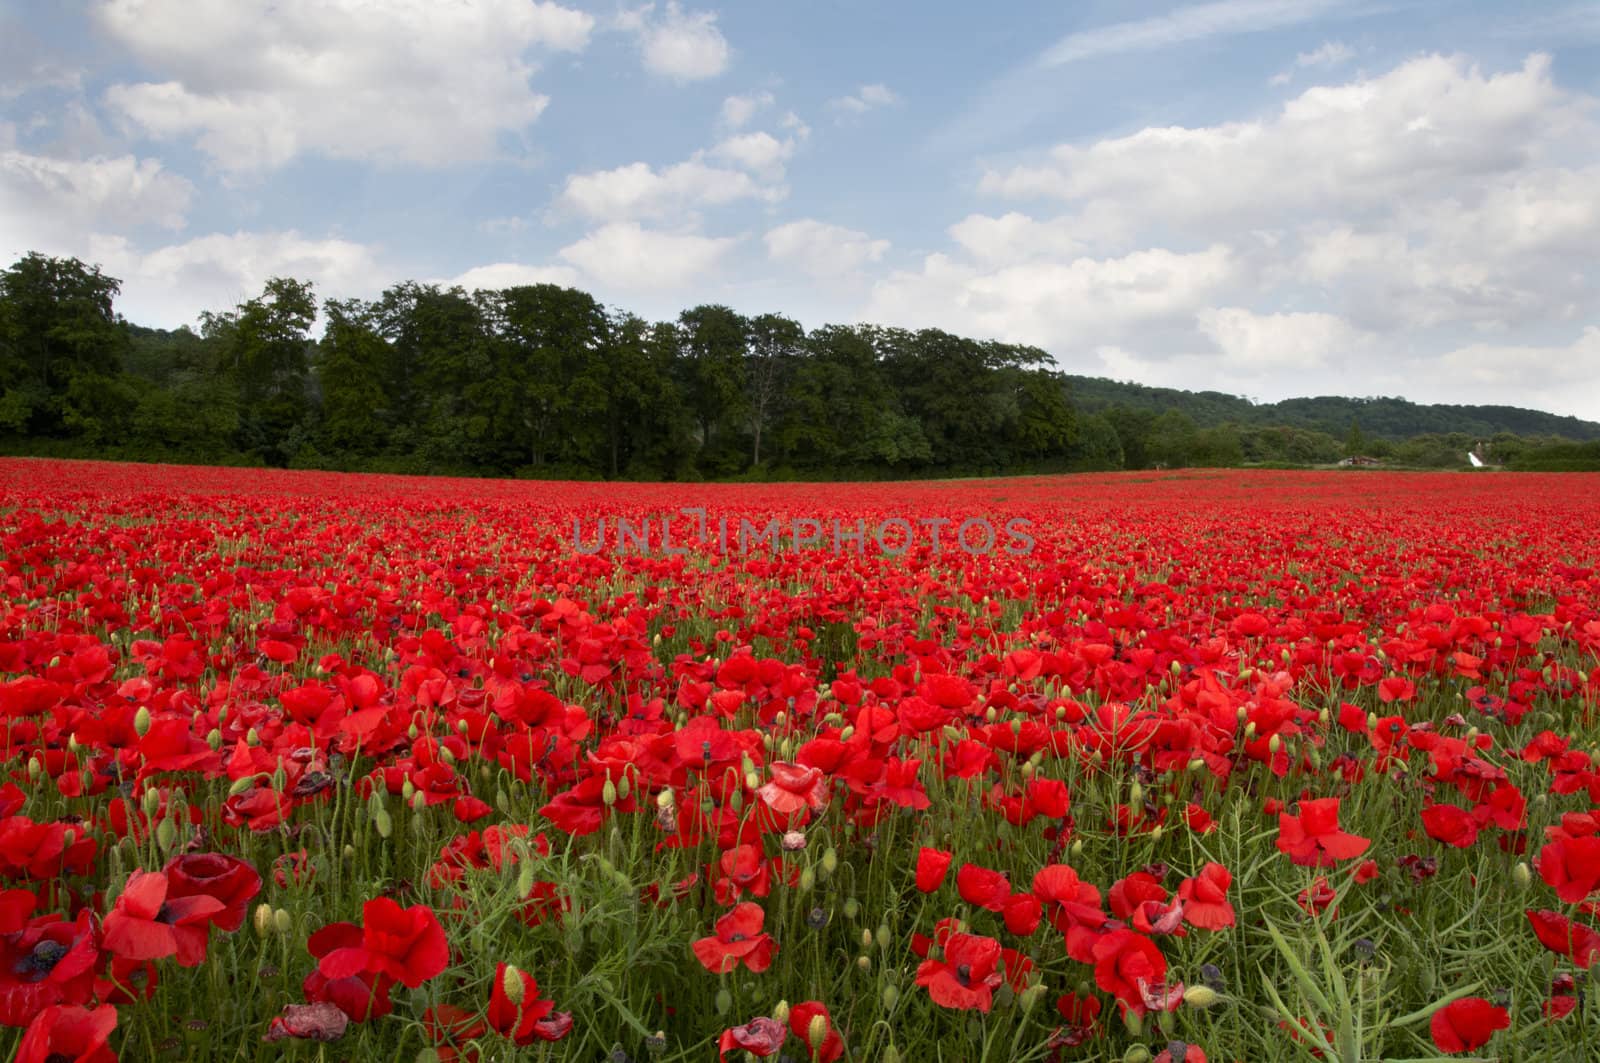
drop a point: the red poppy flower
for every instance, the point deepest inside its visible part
(1073, 908)
(1571, 867)
(1022, 914)
(49, 961)
(406, 944)
(63, 1033)
(932, 866)
(800, 1017)
(146, 925)
(983, 887)
(523, 1020)
(738, 940)
(760, 1036)
(1451, 825)
(968, 975)
(1127, 965)
(1205, 898)
(1578, 943)
(232, 881)
(1313, 838)
(794, 788)
(1465, 1024)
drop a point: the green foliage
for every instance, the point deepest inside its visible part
(544, 381)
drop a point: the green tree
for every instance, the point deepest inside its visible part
(775, 349)
(712, 363)
(349, 366)
(61, 351)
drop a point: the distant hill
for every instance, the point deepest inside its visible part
(1385, 418)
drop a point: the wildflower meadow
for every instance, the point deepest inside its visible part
(1232, 765)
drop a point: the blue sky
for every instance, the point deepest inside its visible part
(1268, 197)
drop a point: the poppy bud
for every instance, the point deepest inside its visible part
(1197, 764)
(724, 1000)
(817, 1032)
(1201, 996)
(1136, 1053)
(1030, 996)
(252, 738)
(512, 985)
(407, 788)
(780, 1013)
(263, 921)
(847, 733)
(1521, 875)
(891, 997)
(1274, 744)
(384, 824)
(752, 781)
(830, 860)
(445, 754)
(1177, 668)
(150, 801)
(808, 879)
(1250, 730)
(864, 962)
(1135, 1024)
(283, 921)
(141, 721)
(866, 938)
(624, 787)
(666, 799)
(608, 792)
(1077, 847)
(891, 1054)
(35, 769)
(1135, 794)
(214, 739)
(883, 936)
(852, 908)
(166, 834)
(419, 801)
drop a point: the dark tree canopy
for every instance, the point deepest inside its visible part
(541, 380)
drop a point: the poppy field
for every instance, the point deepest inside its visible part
(1204, 766)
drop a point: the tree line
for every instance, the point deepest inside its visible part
(545, 381)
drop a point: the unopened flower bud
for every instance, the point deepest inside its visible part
(1201, 996)
(724, 1000)
(1521, 875)
(263, 921)
(141, 721)
(608, 793)
(512, 985)
(283, 921)
(817, 1032)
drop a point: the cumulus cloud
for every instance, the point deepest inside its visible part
(51, 204)
(678, 44)
(256, 83)
(760, 152)
(628, 257)
(737, 111)
(1299, 340)
(865, 99)
(1058, 302)
(497, 275)
(172, 284)
(639, 190)
(821, 250)
(1359, 224)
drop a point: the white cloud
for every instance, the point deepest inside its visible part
(626, 256)
(1559, 378)
(1058, 303)
(821, 250)
(498, 275)
(868, 97)
(678, 44)
(761, 152)
(257, 83)
(171, 285)
(1184, 24)
(737, 111)
(1300, 340)
(50, 205)
(1329, 54)
(638, 190)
